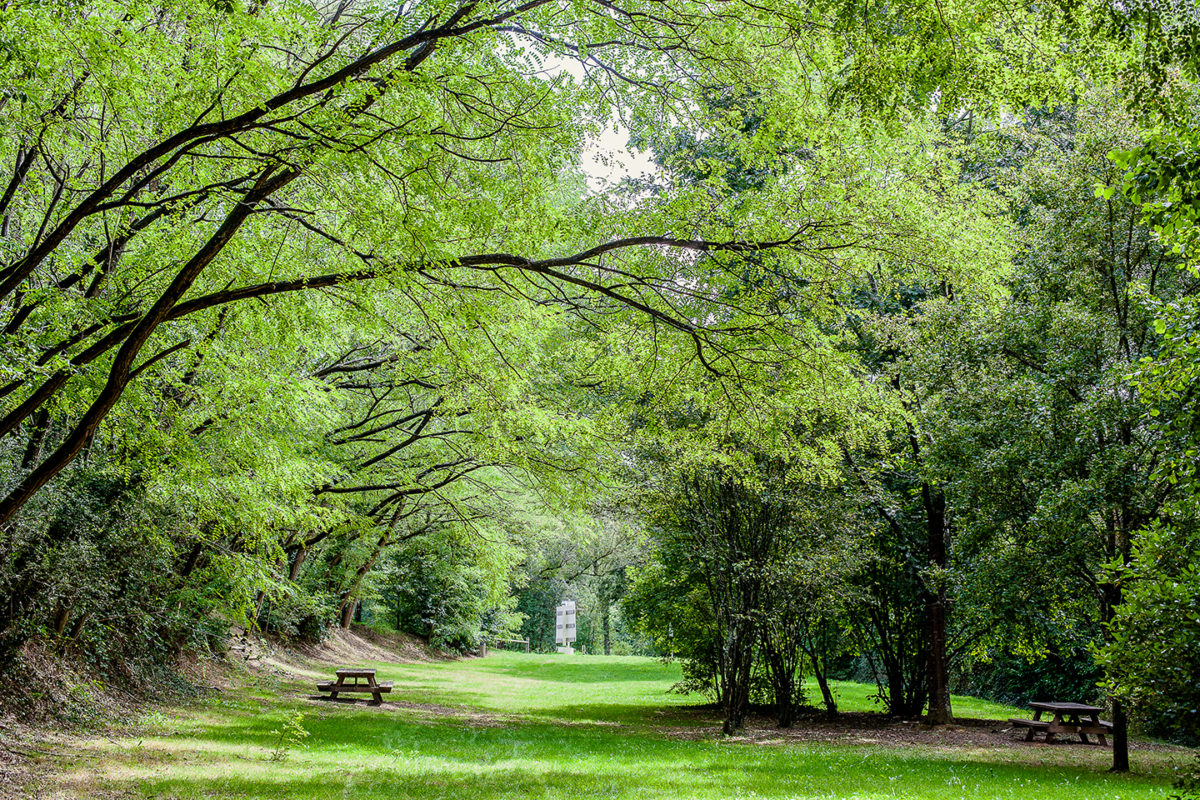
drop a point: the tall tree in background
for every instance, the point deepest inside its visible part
(1048, 449)
(904, 625)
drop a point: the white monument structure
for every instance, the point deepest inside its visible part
(564, 626)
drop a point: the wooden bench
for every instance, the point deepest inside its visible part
(1034, 726)
(340, 686)
(1069, 718)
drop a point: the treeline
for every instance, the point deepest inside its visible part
(288, 288)
(306, 303)
(990, 536)
(464, 590)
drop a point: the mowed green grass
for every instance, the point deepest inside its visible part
(551, 727)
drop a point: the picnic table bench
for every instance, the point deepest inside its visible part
(334, 688)
(1068, 718)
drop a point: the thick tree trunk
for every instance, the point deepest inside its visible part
(785, 711)
(939, 681)
(1120, 737)
(1120, 721)
(937, 671)
(62, 615)
(190, 563)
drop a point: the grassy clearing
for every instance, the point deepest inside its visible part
(550, 727)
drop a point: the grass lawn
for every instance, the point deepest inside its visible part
(529, 726)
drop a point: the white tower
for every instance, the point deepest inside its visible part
(564, 626)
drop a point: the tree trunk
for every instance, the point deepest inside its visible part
(739, 661)
(33, 450)
(61, 616)
(938, 680)
(350, 603)
(1120, 721)
(785, 711)
(297, 562)
(193, 559)
(77, 629)
(823, 683)
(1119, 546)
(1120, 737)
(606, 624)
(937, 672)
(258, 607)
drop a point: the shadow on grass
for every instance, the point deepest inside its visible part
(634, 715)
(372, 784)
(381, 757)
(427, 752)
(449, 736)
(578, 671)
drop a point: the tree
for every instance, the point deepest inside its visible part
(809, 594)
(259, 159)
(728, 531)
(441, 314)
(1048, 451)
(750, 573)
(452, 588)
(414, 157)
(582, 550)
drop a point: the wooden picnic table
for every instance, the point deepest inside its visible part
(1067, 718)
(376, 690)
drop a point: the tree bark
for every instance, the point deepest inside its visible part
(348, 613)
(823, 684)
(33, 450)
(1120, 523)
(1120, 720)
(1120, 737)
(191, 562)
(297, 563)
(937, 672)
(606, 623)
(61, 616)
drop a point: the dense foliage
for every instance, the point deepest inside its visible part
(309, 314)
